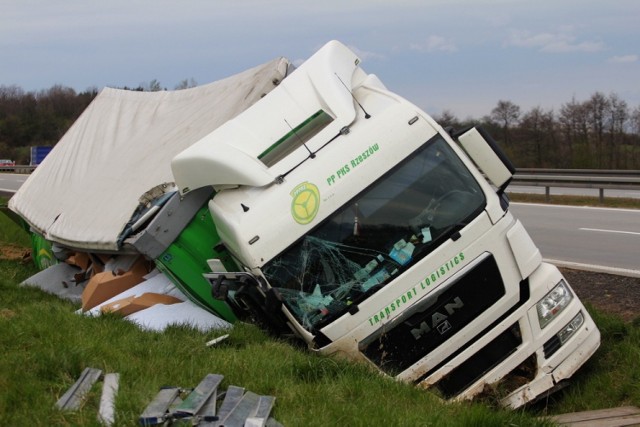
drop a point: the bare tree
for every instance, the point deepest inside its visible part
(186, 84)
(635, 121)
(573, 122)
(538, 130)
(618, 117)
(11, 98)
(447, 119)
(506, 114)
(152, 86)
(597, 108)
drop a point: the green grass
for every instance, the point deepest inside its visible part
(10, 232)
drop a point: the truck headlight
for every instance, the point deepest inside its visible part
(553, 303)
(568, 331)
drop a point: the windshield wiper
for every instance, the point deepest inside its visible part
(454, 230)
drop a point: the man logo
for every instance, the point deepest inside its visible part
(439, 319)
(305, 203)
(444, 327)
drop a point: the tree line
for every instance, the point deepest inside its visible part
(37, 118)
(602, 132)
(42, 117)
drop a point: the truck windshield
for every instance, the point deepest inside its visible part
(370, 241)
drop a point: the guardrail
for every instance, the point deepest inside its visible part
(578, 178)
(17, 169)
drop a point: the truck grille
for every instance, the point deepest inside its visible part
(551, 346)
(481, 362)
(435, 319)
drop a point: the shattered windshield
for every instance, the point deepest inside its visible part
(380, 233)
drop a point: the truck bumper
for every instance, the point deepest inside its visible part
(585, 343)
(541, 360)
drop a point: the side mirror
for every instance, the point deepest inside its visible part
(225, 284)
(486, 154)
(247, 297)
(220, 289)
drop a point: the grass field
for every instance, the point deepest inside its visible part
(46, 345)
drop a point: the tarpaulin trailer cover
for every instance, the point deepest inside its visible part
(87, 189)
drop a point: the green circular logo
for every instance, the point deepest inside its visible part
(44, 259)
(305, 203)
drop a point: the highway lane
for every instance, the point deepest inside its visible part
(11, 182)
(585, 235)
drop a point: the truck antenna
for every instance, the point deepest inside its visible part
(366, 115)
(311, 153)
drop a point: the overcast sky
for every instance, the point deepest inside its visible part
(459, 55)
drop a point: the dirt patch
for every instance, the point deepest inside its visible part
(6, 314)
(607, 292)
(13, 252)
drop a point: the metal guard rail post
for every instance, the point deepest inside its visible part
(26, 169)
(578, 178)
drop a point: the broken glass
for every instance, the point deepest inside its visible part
(375, 237)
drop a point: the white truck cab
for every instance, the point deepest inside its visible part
(363, 227)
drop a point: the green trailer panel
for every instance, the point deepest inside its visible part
(185, 261)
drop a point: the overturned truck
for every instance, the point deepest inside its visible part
(320, 204)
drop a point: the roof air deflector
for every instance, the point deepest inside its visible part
(298, 136)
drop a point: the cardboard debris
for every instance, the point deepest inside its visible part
(97, 263)
(79, 259)
(108, 284)
(133, 304)
(160, 316)
(155, 282)
(88, 263)
(123, 263)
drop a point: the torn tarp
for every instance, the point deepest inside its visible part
(88, 189)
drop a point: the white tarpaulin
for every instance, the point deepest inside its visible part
(86, 190)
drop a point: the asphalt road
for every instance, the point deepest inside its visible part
(590, 236)
(10, 183)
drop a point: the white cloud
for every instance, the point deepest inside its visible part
(560, 42)
(435, 44)
(624, 59)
